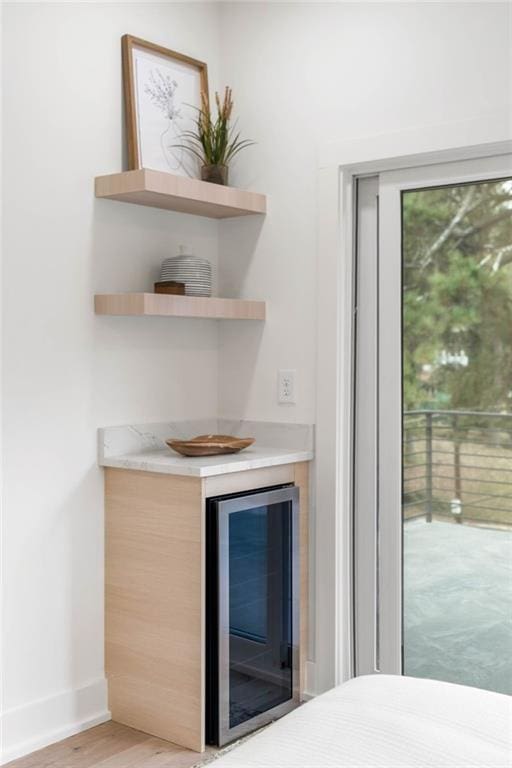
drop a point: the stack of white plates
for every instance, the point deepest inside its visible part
(195, 273)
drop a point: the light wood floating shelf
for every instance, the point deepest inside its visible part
(179, 193)
(148, 304)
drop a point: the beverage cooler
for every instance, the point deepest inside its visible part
(252, 610)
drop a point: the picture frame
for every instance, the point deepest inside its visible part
(161, 90)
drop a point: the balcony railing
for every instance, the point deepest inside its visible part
(458, 464)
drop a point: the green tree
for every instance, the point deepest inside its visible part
(457, 297)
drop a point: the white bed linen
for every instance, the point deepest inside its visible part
(386, 721)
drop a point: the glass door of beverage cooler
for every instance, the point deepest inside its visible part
(256, 562)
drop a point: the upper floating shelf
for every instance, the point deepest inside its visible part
(179, 193)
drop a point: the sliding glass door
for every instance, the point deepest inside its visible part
(433, 424)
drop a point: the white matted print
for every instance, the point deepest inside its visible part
(161, 90)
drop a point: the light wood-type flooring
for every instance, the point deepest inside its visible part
(112, 745)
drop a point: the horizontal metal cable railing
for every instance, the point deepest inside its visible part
(458, 464)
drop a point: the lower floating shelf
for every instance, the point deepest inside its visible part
(154, 304)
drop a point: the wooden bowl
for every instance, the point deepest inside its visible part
(210, 445)
(170, 287)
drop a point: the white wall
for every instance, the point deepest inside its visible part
(307, 74)
(66, 372)
(303, 75)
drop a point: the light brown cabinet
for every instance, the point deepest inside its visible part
(155, 593)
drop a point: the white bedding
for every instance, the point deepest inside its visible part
(385, 721)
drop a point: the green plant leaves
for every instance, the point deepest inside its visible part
(213, 142)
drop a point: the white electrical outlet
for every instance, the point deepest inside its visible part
(286, 386)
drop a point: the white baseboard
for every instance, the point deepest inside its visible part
(40, 723)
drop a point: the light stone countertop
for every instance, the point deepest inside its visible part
(142, 447)
(169, 463)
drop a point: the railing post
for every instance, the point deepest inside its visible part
(428, 440)
(456, 470)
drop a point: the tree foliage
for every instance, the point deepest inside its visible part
(457, 297)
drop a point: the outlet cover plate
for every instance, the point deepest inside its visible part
(286, 386)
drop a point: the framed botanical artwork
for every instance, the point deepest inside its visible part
(161, 89)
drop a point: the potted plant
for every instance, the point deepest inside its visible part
(213, 141)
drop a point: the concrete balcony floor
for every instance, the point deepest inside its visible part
(458, 604)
